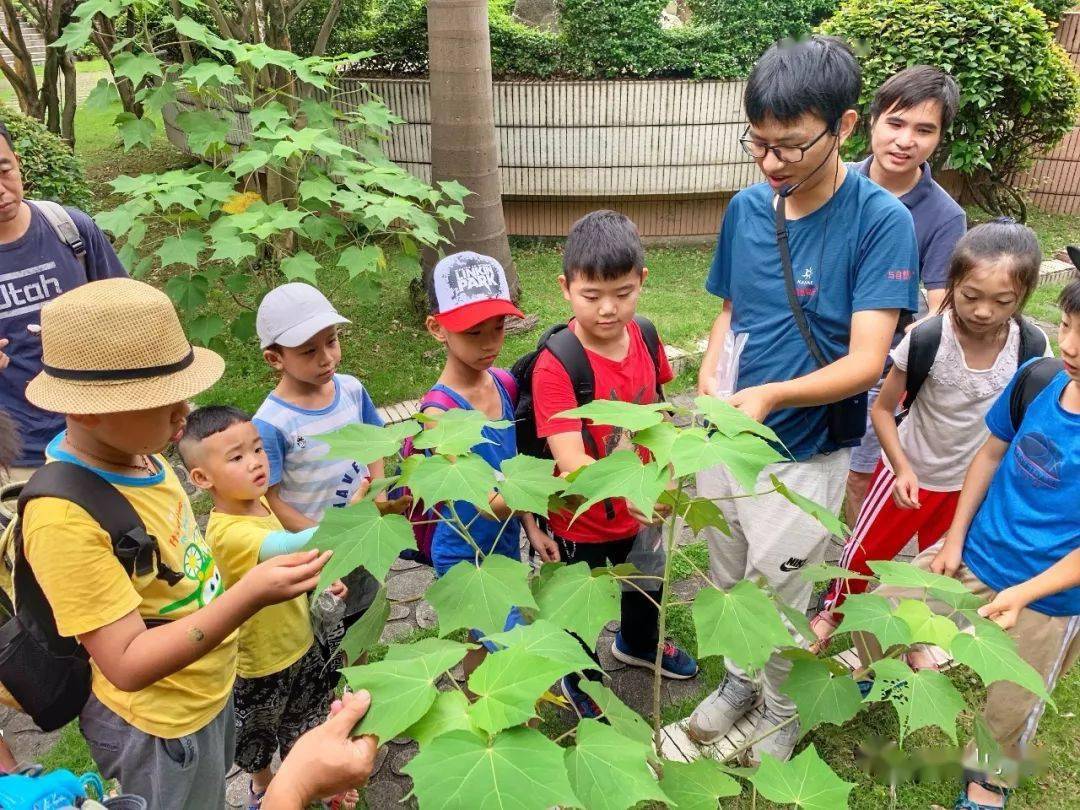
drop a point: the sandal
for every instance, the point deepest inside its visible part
(822, 618)
(255, 798)
(973, 777)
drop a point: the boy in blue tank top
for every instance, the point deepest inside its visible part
(470, 299)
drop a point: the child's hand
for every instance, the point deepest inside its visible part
(4, 359)
(326, 760)
(339, 589)
(279, 579)
(642, 518)
(544, 545)
(906, 490)
(361, 491)
(398, 506)
(498, 507)
(1005, 607)
(948, 559)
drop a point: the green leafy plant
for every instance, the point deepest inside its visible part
(484, 748)
(50, 170)
(1020, 93)
(309, 188)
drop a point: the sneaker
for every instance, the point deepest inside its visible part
(717, 714)
(584, 706)
(780, 744)
(675, 662)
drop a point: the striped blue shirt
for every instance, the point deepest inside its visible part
(306, 481)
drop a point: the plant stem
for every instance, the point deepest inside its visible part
(662, 630)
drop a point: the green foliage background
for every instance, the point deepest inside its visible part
(50, 170)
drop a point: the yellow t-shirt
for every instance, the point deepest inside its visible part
(277, 636)
(72, 558)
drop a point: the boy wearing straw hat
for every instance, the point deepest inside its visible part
(162, 645)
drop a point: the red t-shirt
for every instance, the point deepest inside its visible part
(632, 379)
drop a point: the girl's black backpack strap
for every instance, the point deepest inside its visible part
(1030, 381)
(1032, 341)
(923, 343)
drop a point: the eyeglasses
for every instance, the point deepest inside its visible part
(785, 154)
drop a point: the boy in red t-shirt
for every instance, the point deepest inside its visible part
(603, 272)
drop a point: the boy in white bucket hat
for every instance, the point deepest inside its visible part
(162, 643)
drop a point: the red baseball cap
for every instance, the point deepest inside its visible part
(468, 288)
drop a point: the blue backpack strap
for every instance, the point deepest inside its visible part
(508, 382)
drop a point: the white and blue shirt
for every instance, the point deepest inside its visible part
(1029, 519)
(307, 481)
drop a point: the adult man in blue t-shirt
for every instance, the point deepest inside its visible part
(910, 114)
(854, 264)
(36, 265)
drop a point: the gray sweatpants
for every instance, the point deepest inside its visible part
(773, 538)
(185, 773)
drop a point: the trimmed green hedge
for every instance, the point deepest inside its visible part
(49, 169)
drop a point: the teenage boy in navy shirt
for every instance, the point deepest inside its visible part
(855, 268)
(910, 114)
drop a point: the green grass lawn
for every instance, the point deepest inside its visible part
(397, 360)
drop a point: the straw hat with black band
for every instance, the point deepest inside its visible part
(117, 345)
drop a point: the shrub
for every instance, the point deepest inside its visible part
(50, 171)
(1020, 95)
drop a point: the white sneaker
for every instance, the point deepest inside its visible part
(717, 714)
(779, 744)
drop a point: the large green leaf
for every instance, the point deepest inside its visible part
(697, 785)
(744, 455)
(435, 479)
(359, 536)
(609, 771)
(873, 614)
(528, 483)
(188, 292)
(206, 130)
(574, 599)
(993, 656)
(135, 131)
(821, 696)
(449, 712)
(546, 640)
(136, 66)
(209, 72)
(924, 698)
(102, 97)
(402, 689)
(520, 769)
(508, 684)
(906, 575)
(626, 415)
(620, 475)
(480, 596)
(248, 161)
(302, 266)
(925, 625)
(366, 631)
(741, 624)
(729, 420)
(366, 259)
(805, 781)
(456, 431)
(367, 443)
(658, 439)
(622, 718)
(183, 249)
(233, 249)
(822, 515)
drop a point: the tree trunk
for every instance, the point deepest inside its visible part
(67, 112)
(20, 72)
(463, 145)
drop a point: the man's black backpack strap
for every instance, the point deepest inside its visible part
(922, 349)
(1030, 382)
(49, 674)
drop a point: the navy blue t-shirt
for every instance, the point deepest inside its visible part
(34, 269)
(857, 252)
(939, 224)
(1030, 518)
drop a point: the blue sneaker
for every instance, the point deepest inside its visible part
(675, 663)
(583, 705)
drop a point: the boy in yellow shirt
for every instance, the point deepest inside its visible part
(285, 677)
(162, 644)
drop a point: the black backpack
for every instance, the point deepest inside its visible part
(49, 674)
(1030, 382)
(926, 338)
(567, 349)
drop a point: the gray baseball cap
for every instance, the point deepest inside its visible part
(291, 314)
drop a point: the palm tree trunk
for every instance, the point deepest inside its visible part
(463, 145)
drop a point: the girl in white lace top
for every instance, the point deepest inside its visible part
(915, 488)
